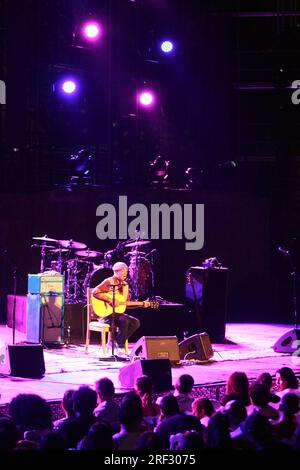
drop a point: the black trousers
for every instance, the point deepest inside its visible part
(126, 324)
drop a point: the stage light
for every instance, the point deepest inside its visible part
(81, 167)
(91, 31)
(69, 87)
(159, 171)
(146, 98)
(167, 46)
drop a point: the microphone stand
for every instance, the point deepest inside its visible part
(14, 304)
(113, 357)
(294, 281)
(112, 325)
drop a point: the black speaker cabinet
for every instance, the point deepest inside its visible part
(159, 370)
(75, 322)
(156, 347)
(196, 347)
(206, 294)
(26, 360)
(289, 342)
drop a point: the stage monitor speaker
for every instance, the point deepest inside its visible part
(196, 347)
(23, 360)
(156, 347)
(159, 370)
(289, 342)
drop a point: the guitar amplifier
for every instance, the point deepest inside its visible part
(45, 284)
(45, 318)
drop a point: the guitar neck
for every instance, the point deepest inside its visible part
(134, 304)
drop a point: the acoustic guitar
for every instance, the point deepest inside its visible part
(104, 309)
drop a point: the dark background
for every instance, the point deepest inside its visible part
(224, 96)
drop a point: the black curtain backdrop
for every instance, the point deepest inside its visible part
(236, 232)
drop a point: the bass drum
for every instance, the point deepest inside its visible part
(96, 276)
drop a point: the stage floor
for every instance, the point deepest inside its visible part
(248, 349)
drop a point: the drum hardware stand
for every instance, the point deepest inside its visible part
(15, 278)
(113, 357)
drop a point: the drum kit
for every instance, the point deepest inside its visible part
(77, 263)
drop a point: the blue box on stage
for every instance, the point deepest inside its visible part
(44, 283)
(45, 318)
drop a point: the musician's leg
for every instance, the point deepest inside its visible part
(133, 325)
(127, 326)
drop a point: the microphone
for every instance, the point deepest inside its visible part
(283, 250)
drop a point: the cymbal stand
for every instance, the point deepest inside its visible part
(43, 257)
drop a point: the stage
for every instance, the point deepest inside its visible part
(248, 348)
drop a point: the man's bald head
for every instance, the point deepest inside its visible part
(120, 270)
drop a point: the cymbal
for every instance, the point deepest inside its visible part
(59, 250)
(138, 243)
(88, 253)
(135, 253)
(44, 239)
(71, 245)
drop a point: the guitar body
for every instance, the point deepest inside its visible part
(104, 309)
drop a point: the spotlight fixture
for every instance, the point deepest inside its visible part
(167, 46)
(69, 87)
(146, 98)
(91, 31)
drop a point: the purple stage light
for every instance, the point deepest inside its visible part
(167, 46)
(69, 87)
(146, 98)
(91, 31)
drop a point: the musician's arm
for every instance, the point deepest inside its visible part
(101, 292)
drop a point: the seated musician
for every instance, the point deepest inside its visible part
(126, 324)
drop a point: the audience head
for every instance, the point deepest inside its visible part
(236, 412)
(105, 389)
(187, 441)
(99, 437)
(218, 432)
(169, 405)
(285, 378)
(84, 401)
(149, 441)
(184, 384)
(67, 403)
(131, 413)
(144, 385)
(259, 395)
(289, 404)
(202, 407)
(8, 434)
(258, 428)
(238, 387)
(30, 411)
(266, 380)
